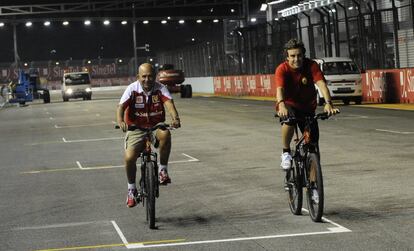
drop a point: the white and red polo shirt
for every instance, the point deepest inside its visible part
(144, 109)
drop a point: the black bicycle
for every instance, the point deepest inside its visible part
(149, 183)
(306, 172)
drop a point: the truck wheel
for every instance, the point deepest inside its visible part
(188, 91)
(358, 100)
(346, 101)
(89, 97)
(65, 99)
(46, 96)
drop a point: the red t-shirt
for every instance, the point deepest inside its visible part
(299, 85)
(143, 109)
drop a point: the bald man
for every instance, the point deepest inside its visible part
(142, 105)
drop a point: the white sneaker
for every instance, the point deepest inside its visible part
(286, 161)
(315, 196)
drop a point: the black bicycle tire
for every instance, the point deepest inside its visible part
(294, 201)
(150, 187)
(315, 213)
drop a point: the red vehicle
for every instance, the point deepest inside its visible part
(173, 79)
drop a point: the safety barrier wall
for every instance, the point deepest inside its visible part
(388, 86)
(378, 86)
(245, 85)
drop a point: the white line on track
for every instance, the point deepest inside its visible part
(190, 157)
(335, 230)
(121, 235)
(90, 140)
(79, 165)
(84, 125)
(63, 225)
(390, 131)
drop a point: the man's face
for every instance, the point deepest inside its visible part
(146, 77)
(295, 58)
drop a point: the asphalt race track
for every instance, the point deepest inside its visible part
(63, 186)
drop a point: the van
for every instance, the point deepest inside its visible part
(76, 85)
(343, 79)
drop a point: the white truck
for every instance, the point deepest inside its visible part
(76, 85)
(343, 79)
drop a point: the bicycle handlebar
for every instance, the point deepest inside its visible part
(322, 116)
(158, 126)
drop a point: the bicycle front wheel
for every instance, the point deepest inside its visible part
(150, 183)
(293, 185)
(314, 191)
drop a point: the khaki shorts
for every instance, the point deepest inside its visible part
(133, 138)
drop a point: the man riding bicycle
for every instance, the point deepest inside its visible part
(142, 105)
(296, 94)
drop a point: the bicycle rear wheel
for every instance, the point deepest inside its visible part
(293, 185)
(150, 183)
(314, 191)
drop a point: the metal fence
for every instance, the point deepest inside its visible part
(376, 34)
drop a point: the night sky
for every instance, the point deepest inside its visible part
(77, 41)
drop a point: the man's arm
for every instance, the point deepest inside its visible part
(173, 113)
(329, 108)
(280, 103)
(120, 118)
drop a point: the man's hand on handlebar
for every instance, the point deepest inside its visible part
(176, 123)
(123, 126)
(282, 111)
(329, 108)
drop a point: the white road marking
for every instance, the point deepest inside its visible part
(72, 224)
(84, 125)
(391, 131)
(121, 235)
(190, 157)
(134, 246)
(90, 140)
(79, 165)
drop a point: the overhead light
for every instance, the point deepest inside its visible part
(199, 21)
(151, 59)
(145, 22)
(25, 64)
(193, 39)
(215, 21)
(65, 23)
(350, 7)
(232, 10)
(106, 22)
(46, 23)
(28, 24)
(57, 63)
(276, 2)
(124, 22)
(89, 62)
(163, 21)
(87, 22)
(263, 7)
(1, 24)
(181, 21)
(253, 19)
(168, 18)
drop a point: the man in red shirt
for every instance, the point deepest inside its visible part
(296, 94)
(142, 105)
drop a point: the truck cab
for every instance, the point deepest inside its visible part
(76, 85)
(343, 79)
